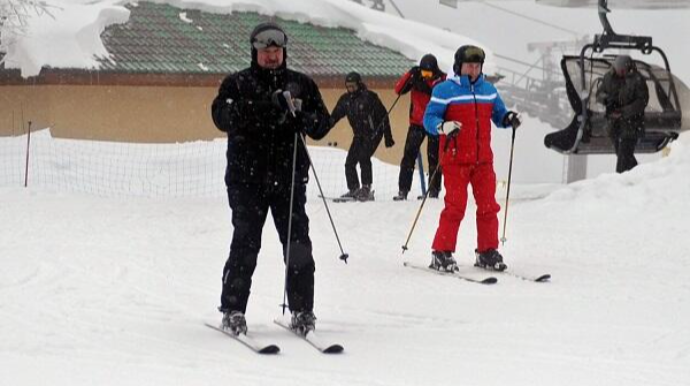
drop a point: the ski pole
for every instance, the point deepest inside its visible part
(388, 113)
(452, 137)
(395, 102)
(343, 256)
(419, 211)
(289, 235)
(510, 174)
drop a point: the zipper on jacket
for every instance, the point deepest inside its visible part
(271, 151)
(371, 124)
(476, 124)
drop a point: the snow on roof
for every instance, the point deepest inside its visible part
(69, 37)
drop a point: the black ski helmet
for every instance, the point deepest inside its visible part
(268, 34)
(468, 54)
(429, 63)
(353, 77)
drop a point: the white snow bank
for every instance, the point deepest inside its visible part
(663, 183)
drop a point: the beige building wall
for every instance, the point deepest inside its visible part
(153, 114)
(21, 104)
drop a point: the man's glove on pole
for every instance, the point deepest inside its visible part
(449, 128)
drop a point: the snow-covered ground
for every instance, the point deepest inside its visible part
(114, 291)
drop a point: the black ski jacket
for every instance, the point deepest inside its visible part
(625, 99)
(365, 113)
(261, 134)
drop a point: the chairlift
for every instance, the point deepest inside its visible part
(587, 133)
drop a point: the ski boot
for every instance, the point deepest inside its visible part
(402, 196)
(303, 321)
(490, 259)
(443, 261)
(234, 322)
(432, 194)
(365, 193)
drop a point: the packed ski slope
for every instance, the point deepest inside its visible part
(115, 291)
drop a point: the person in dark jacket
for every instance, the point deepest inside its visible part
(262, 122)
(625, 94)
(419, 82)
(369, 121)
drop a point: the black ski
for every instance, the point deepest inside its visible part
(248, 341)
(348, 199)
(539, 279)
(487, 280)
(339, 199)
(313, 339)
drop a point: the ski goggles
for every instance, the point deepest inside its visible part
(268, 38)
(427, 73)
(473, 54)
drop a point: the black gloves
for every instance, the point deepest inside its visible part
(389, 142)
(279, 99)
(416, 71)
(512, 119)
(257, 108)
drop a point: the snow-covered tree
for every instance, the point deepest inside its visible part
(13, 18)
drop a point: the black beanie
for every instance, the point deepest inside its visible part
(353, 77)
(429, 63)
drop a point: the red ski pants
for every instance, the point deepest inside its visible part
(455, 180)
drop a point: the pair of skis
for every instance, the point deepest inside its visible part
(261, 348)
(487, 280)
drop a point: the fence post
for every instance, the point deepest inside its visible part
(28, 146)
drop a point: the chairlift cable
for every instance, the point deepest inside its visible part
(533, 19)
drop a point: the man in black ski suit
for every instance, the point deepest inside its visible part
(256, 113)
(369, 121)
(625, 94)
(420, 80)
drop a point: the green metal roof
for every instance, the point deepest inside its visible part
(159, 39)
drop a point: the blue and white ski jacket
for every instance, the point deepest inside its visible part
(474, 105)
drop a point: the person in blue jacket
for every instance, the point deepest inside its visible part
(460, 112)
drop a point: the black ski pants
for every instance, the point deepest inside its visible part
(625, 153)
(250, 204)
(415, 137)
(360, 152)
(624, 140)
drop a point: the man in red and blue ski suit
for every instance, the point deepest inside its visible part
(460, 112)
